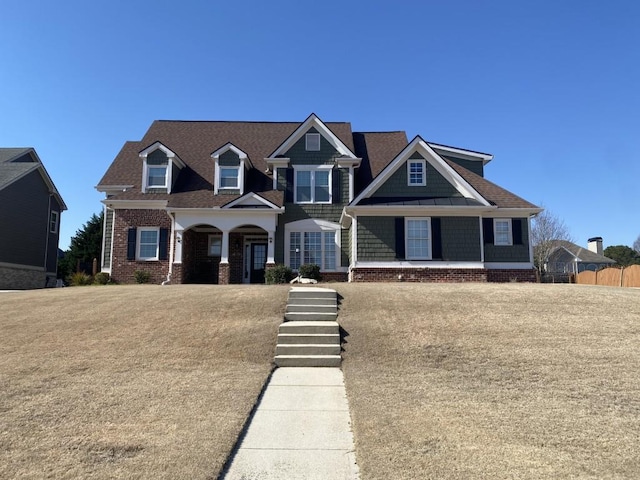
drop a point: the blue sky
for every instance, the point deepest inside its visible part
(550, 88)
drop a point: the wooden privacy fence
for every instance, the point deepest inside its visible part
(611, 277)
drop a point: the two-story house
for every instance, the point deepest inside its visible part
(30, 209)
(220, 202)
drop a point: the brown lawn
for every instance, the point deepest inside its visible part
(131, 381)
(444, 381)
(510, 381)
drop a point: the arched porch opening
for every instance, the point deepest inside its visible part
(201, 253)
(249, 249)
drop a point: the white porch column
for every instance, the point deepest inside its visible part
(271, 242)
(224, 256)
(178, 246)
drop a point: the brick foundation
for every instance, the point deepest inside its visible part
(224, 274)
(334, 276)
(441, 275)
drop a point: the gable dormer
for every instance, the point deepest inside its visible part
(230, 164)
(160, 168)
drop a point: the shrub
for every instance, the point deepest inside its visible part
(310, 270)
(142, 276)
(278, 274)
(101, 278)
(79, 279)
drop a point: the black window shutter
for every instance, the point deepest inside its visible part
(487, 230)
(335, 188)
(400, 255)
(163, 246)
(516, 226)
(131, 244)
(288, 193)
(436, 241)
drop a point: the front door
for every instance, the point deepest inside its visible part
(258, 261)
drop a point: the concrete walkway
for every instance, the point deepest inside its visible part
(301, 430)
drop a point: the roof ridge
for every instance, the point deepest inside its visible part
(242, 121)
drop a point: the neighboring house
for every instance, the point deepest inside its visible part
(30, 208)
(567, 257)
(218, 202)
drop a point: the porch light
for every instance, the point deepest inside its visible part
(270, 239)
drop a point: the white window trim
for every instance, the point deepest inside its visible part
(217, 236)
(237, 185)
(424, 172)
(312, 169)
(307, 137)
(217, 187)
(495, 232)
(406, 238)
(138, 244)
(54, 221)
(311, 225)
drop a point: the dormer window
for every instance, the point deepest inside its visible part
(157, 176)
(230, 164)
(229, 177)
(312, 142)
(160, 168)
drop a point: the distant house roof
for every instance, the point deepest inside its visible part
(15, 163)
(580, 253)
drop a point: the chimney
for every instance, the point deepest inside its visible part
(595, 245)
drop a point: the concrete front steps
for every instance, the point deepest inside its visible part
(310, 335)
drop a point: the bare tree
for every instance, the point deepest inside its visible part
(546, 228)
(636, 244)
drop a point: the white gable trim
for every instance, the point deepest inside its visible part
(245, 163)
(313, 121)
(230, 146)
(422, 147)
(251, 199)
(167, 151)
(462, 153)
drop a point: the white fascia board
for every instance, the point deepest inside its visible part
(419, 264)
(508, 265)
(277, 162)
(513, 212)
(244, 158)
(113, 189)
(417, 210)
(345, 219)
(313, 121)
(250, 196)
(171, 155)
(345, 162)
(135, 204)
(227, 212)
(461, 152)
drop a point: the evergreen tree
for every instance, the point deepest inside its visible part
(85, 245)
(623, 255)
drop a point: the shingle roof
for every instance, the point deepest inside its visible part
(10, 172)
(496, 195)
(194, 141)
(8, 154)
(584, 254)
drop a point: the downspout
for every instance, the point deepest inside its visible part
(171, 248)
(354, 244)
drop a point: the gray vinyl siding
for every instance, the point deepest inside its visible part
(108, 237)
(474, 166)
(509, 253)
(460, 239)
(329, 212)
(396, 185)
(24, 221)
(376, 239)
(52, 244)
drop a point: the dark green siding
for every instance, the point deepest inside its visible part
(229, 159)
(474, 166)
(510, 253)
(376, 239)
(396, 185)
(460, 239)
(329, 212)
